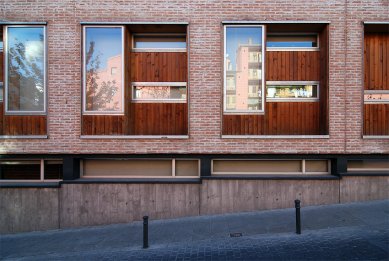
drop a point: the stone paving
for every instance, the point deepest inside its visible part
(358, 231)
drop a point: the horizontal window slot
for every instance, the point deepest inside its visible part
(368, 165)
(292, 91)
(376, 96)
(159, 92)
(292, 41)
(187, 168)
(286, 167)
(159, 41)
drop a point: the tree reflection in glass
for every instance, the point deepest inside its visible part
(26, 65)
(103, 69)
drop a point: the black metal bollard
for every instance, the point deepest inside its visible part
(298, 218)
(145, 231)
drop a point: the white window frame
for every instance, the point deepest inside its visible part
(5, 44)
(263, 65)
(271, 49)
(139, 50)
(158, 84)
(292, 83)
(84, 111)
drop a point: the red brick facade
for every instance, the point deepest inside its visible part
(205, 73)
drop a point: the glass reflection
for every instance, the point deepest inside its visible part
(291, 91)
(160, 93)
(26, 58)
(243, 60)
(103, 69)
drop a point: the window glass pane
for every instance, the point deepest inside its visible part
(27, 169)
(160, 41)
(103, 69)
(291, 92)
(26, 65)
(291, 41)
(377, 97)
(1, 91)
(159, 93)
(53, 169)
(243, 65)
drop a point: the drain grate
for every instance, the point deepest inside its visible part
(238, 234)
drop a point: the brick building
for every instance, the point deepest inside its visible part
(112, 110)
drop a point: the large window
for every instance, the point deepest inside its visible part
(103, 70)
(25, 67)
(243, 69)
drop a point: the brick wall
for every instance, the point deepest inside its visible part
(205, 30)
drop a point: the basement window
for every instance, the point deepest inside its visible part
(31, 170)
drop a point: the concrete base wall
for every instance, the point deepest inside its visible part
(75, 205)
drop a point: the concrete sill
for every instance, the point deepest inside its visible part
(275, 136)
(23, 136)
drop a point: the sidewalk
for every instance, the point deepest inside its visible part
(346, 221)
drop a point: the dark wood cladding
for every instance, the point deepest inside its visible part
(24, 125)
(159, 67)
(281, 118)
(376, 119)
(158, 119)
(103, 125)
(292, 66)
(376, 61)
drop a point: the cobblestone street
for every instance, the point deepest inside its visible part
(358, 231)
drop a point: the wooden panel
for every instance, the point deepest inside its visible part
(159, 119)
(376, 61)
(103, 125)
(1, 67)
(25, 210)
(292, 66)
(223, 196)
(376, 119)
(159, 67)
(24, 125)
(281, 118)
(365, 188)
(97, 204)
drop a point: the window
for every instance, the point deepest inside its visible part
(39, 170)
(159, 42)
(243, 63)
(292, 41)
(140, 168)
(376, 96)
(25, 69)
(159, 92)
(258, 166)
(292, 91)
(1, 92)
(103, 65)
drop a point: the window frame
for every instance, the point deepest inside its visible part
(158, 84)
(140, 50)
(5, 84)
(41, 170)
(293, 83)
(84, 111)
(287, 49)
(263, 66)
